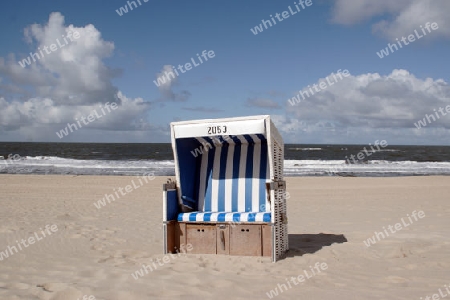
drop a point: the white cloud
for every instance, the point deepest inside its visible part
(167, 84)
(371, 103)
(350, 12)
(400, 18)
(63, 85)
(203, 109)
(262, 103)
(74, 73)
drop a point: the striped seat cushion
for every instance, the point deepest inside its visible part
(224, 217)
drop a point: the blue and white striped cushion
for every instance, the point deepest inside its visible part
(224, 217)
(233, 174)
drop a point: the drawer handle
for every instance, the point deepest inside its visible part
(222, 239)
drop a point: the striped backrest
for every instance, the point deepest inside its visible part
(232, 174)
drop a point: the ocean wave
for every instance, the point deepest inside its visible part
(387, 150)
(57, 165)
(306, 149)
(370, 168)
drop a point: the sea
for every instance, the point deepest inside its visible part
(157, 159)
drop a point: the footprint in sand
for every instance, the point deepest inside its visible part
(400, 281)
(8, 229)
(340, 285)
(15, 286)
(103, 260)
(68, 294)
(53, 286)
(411, 267)
(66, 217)
(75, 236)
(61, 291)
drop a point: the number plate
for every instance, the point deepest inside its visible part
(218, 129)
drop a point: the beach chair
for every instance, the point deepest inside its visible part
(229, 196)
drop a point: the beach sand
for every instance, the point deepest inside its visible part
(94, 252)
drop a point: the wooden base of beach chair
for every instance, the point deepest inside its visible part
(221, 238)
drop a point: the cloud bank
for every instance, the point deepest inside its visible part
(63, 85)
(372, 104)
(399, 18)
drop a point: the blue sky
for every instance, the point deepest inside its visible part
(117, 58)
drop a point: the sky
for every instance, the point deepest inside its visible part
(327, 71)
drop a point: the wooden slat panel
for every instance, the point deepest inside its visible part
(266, 240)
(171, 237)
(181, 234)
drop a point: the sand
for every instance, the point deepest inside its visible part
(94, 252)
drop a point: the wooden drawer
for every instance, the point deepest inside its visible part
(246, 240)
(202, 237)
